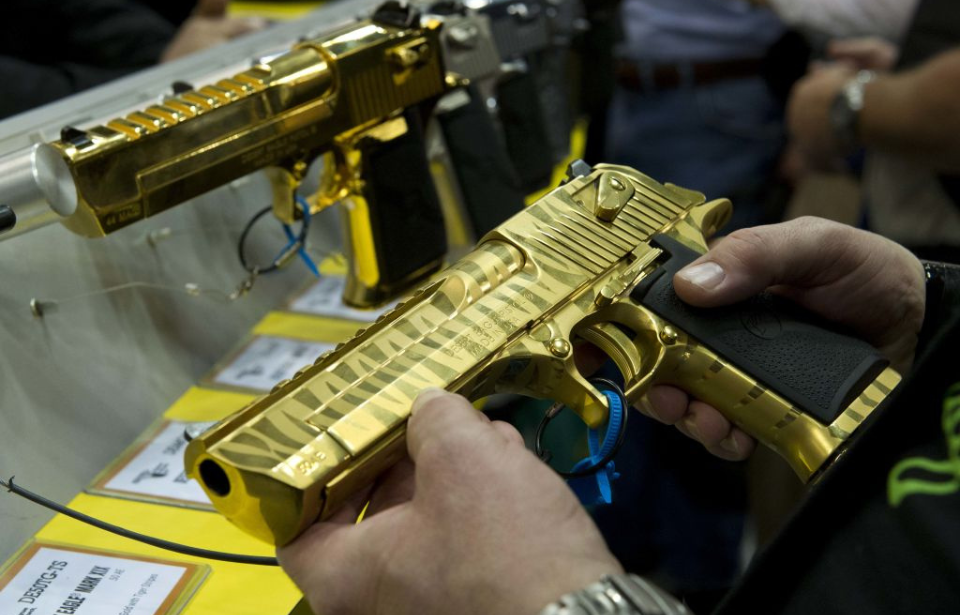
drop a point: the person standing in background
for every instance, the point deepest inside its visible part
(178, 11)
(50, 49)
(699, 101)
(692, 105)
(841, 19)
(895, 99)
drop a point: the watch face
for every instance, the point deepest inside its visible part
(840, 112)
(843, 121)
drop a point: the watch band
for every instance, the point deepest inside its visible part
(620, 594)
(942, 299)
(845, 114)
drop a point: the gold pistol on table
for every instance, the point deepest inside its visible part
(357, 95)
(593, 262)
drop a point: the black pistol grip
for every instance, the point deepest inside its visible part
(487, 179)
(525, 130)
(801, 357)
(407, 238)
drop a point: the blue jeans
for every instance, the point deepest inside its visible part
(722, 139)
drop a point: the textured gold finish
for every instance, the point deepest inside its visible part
(502, 319)
(322, 96)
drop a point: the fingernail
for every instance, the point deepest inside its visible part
(691, 426)
(730, 445)
(707, 275)
(425, 396)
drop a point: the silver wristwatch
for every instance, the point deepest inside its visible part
(845, 110)
(620, 594)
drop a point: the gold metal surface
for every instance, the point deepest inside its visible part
(280, 115)
(502, 319)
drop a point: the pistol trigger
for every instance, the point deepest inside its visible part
(582, 397)
(334, 179)
(283, 185)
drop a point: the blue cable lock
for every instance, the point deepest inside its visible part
(294, 241)
(596, 489)
(302, 251)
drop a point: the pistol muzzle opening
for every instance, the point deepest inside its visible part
(55, 180)
(214, 477)
(8, 218)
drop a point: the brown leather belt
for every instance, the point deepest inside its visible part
(652, 77)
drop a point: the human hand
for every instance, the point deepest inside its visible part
(864, 53)
(207, 26)
(793, 167)
(808, 112)
(858, 280)
(474, 523)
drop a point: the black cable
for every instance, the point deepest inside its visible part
(236, 558)
(590, 471)
(243, 240)
(278, 261)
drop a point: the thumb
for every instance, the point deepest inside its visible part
(211, 8)
(446, 424)
(748, 261)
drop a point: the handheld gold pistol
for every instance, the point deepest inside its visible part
(591, 261)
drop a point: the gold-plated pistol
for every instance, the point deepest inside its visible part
(353, 95)
(592, 261)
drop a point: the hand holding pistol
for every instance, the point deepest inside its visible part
(592, 261)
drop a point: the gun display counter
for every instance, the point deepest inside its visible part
(115, 348)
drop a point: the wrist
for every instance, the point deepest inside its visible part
(617, 594)
(942, 282)
(846, 111)
(552, 579)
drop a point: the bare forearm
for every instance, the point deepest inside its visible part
(916, 114)
(846, 18)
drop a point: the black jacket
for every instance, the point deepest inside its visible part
(50, 49)
(881, 532)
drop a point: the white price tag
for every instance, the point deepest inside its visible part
(153, 470)
(325, 298)
(267, 360)
(55, 580)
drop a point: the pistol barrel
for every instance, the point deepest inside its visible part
(136, 166)
(28, 187)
